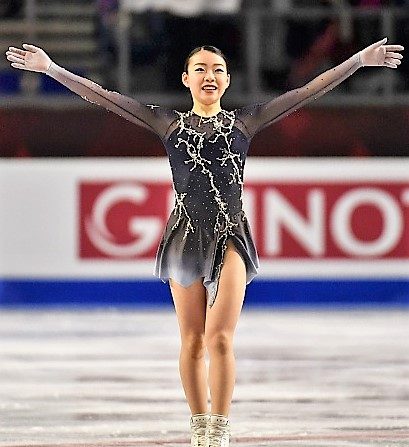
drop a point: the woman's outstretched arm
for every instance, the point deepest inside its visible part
(258, 116)
(35, 59)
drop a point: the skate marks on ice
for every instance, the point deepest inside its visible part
(110, 378)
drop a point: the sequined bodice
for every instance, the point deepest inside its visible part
(207, 157)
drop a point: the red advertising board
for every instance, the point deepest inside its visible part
(290, 220)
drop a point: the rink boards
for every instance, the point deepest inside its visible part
(86, 231)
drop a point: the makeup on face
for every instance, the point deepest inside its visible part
(207, 79)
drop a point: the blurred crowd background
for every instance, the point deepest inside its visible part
(292, 49)
(272, 46)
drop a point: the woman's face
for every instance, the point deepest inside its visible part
(207, 77)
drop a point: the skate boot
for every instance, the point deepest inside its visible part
(198, 425)
(218, 431)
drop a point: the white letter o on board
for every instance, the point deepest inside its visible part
(391, 216)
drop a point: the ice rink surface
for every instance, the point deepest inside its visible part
(110, 378)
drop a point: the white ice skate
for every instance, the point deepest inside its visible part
(218, 431)
(198, 425)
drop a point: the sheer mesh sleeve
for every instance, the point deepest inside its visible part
(151, 117)
(257, 116)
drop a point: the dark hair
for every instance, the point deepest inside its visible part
(210, 48)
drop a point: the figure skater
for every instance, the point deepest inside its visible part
(206, 252)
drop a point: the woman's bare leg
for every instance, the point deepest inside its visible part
(221, 321)
(190, 305)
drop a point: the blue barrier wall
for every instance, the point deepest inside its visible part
(143, 294)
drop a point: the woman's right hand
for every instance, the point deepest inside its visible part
(31, 58)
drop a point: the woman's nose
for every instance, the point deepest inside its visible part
(209, 76)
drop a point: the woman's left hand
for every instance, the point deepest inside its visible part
(381, 55)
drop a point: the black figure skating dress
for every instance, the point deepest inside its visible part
(207, 157)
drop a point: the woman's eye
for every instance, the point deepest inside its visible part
(217, 69)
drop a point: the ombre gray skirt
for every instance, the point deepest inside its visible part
(186, 256)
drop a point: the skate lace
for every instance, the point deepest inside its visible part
(199, 429)
(218, 435)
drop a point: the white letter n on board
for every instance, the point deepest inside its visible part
(308, 231)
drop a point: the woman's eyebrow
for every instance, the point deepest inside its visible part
(201, 63)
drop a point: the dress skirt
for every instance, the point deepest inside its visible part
(186, 255)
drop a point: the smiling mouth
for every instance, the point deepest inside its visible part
(209, 88)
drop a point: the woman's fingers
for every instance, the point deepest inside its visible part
(13, 58)
(391, 60)
(17, 50)
(30, 47)
(16, 55)
(379, 43)
(390, 65)
(394, 47)
(395, 55)
(12, 53)
(20, 66)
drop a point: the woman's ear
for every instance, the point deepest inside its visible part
(228, 80)
(185, 79)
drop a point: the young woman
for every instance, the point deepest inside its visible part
(207, 252)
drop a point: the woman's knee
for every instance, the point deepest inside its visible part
(220, 342)
(194, 345)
